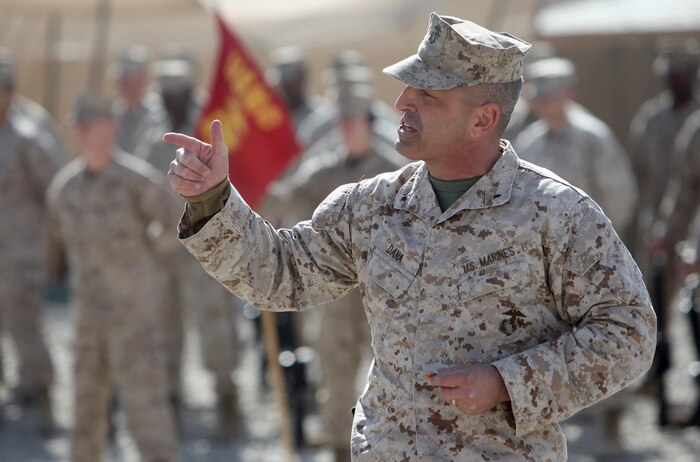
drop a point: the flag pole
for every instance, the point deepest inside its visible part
(272, 347)
(100, 45)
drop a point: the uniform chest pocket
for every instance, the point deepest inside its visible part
(497, 277)
(388, 274)
(498, 303)
(391, 266)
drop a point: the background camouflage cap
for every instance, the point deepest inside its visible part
(133, 61)
(288, 63)
(548, 77)
(354, 101)
(677, 55)
(174, 74)
(90, 107)
(458, 53)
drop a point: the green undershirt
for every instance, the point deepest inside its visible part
(448, 191)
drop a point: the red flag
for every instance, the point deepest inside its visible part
(257, 125)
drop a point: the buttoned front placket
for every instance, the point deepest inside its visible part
(441, 336)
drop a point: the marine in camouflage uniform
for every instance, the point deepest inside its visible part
(108, 208)
(574, 144)
(657, 162)
(319, 131)
(344, 338)
(519, 295)
(654, 129)
(136, 110)
(28, 161)
(186, 285)
(677, 222)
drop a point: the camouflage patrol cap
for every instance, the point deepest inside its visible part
(354, 101)
(131, 62)
(173, 74)
(548, 77)
(677, 55)
(90, 107)
(458, 53)
(288, 63)
(347, 75)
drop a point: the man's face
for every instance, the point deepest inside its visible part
(550, 106)
(434, 122)
(96, 134)
(132, 87)
(357, 134)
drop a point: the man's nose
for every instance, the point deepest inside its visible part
(405, 101)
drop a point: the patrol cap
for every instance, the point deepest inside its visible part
(90, 107)
(131, 62)
(347, 75)
(458, 53)
(173, 74)
(548, 77)
(677, 55)
(288, 63)
(347, 57)
(7, 68)
(354, 101)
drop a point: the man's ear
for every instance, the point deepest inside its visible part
(487, 117)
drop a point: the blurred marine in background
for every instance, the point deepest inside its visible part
(108, 208)
(28, 161)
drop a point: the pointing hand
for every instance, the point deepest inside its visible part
(198, 166)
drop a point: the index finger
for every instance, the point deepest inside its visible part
(450, 378)
(189, 143)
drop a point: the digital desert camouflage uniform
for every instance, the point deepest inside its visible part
(188, 289)
(524, 272)
(109, 224)
(134, 118)
(343, 343)
(27, 164)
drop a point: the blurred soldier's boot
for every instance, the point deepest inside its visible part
(612, 439)
(176, 404)
(39, 404)
(341, 454)
(45, 421)
(229, 420)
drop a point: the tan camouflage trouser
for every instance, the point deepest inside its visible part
(188, 289)
(124, 352)
(344, 346)
(20, 319)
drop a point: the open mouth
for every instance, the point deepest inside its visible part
(405, 128)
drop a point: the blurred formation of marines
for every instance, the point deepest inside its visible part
(29, 158)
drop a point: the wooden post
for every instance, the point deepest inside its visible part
(272, 346)
(98, 65)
